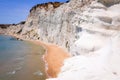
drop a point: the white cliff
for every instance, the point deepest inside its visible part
(96, 49)
(88, 29)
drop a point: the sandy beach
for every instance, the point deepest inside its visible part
(53, 57)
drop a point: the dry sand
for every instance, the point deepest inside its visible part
(54, 58)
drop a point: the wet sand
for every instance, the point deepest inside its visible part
(54, 58)
(34, 65)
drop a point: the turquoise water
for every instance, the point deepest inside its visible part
(20, 60)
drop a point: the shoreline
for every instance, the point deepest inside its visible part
(53, 57)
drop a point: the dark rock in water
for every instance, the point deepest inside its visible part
(19, 39)
(12, 38)
(5, 37)
(15, 38)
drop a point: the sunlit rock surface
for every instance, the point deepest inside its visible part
(96, 48)
(88, 29)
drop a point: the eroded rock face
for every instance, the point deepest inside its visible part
(96, 47)
(109, 2)
(46, 5)
(55, 24)
(12, 29)
(69, 24)
(3, 28)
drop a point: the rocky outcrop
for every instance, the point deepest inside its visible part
(3, 28)
(54, 24)
(109, 2)
(14, 29)
(65, 24)
(46, 6)
(49, 25)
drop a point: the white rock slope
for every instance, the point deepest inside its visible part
(97, 46)
(103, 64)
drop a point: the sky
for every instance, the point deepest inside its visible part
(15, 11)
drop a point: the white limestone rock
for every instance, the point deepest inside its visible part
(102, 64)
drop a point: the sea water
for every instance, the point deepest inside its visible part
(20, 60)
